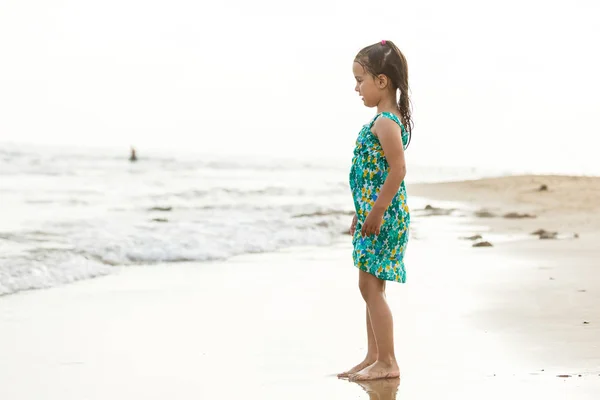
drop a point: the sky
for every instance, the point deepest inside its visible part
(493, 84)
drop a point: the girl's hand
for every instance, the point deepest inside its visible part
(353, 225)
(372, 223)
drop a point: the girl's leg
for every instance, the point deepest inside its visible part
(373, 291)
(371, 351)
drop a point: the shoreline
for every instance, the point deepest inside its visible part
(177, 321)
(504, 321)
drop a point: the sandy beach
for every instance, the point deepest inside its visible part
(517, 319)
(178, 182)
(552, 309)
(565, 203)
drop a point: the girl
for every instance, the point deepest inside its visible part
(380, 226)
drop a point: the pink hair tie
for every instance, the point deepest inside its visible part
(383, 42)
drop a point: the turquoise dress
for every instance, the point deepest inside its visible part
(380, 255)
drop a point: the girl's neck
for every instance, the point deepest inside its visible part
(387, 105)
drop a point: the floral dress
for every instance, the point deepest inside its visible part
(381, 255)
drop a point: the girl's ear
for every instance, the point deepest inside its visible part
(382, 81)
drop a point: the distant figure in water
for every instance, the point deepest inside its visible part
(132, 157)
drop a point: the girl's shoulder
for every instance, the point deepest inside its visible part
(393, 117)
(390, 116)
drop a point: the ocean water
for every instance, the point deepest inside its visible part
(72, 214)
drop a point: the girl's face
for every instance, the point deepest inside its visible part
(366, 86)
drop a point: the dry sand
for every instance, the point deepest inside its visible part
(570, 203)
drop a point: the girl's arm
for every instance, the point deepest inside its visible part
(390, 137)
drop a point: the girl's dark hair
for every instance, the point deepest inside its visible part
(385, 58)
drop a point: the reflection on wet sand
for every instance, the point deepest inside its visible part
(381, 389)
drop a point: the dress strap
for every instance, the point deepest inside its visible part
(388, 115)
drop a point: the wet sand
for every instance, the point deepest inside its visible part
(470, 323)
(551, 287)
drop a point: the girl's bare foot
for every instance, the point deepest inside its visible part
(367, 361)
(377, 370)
